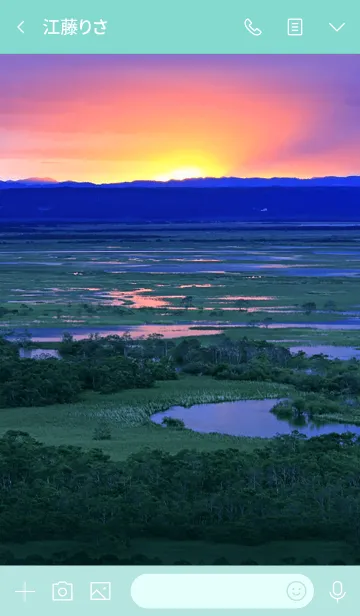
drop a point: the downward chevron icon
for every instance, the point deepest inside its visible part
(337, 29)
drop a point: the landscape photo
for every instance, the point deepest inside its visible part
(180, 310)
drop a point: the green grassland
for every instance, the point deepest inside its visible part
(266, 554)
(180, 552)
(127, 413)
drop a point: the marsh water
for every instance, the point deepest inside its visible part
(298, 260)
(332, 352)
(249, 418)
(206, 267)
(39, 353)
(55, 334)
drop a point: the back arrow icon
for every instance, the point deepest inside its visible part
(337, 29)
(19, 27)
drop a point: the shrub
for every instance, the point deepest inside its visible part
(102, 432)
(171, 422)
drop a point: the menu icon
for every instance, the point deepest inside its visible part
(295, 26)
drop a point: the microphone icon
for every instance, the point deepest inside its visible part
(337, 592)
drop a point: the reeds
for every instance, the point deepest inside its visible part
(138, 410)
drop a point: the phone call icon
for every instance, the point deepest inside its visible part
(248, 25)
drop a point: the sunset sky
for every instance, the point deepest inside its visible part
(118, 118)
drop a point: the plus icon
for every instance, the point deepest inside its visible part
(24, 591)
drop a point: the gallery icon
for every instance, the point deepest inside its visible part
(62, 591)
(295, 26)
(100, 591)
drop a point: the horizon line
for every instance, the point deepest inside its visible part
(49, 181)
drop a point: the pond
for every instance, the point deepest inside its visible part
(245, 418)
(39, 353)
(333, 352)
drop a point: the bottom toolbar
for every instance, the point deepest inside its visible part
(130, 590)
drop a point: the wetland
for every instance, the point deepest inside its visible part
(246, 339)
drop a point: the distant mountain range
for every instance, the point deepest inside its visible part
(224, 182)
(328, 199)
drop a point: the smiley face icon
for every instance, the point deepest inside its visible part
(296, 591)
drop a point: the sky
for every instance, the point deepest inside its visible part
(123, 118)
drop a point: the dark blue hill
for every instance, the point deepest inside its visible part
(96, 203)
(222, 182)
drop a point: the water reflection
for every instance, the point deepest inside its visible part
(186, 261)
(136, 298)
(39, 353)
(195, 286)
(246, 298)
(194, 328)
(55, 334)
(193, 260)
(246, 418)
(333, 352)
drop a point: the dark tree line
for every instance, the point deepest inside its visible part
(291, 489)
(114, 363)
(28, 382)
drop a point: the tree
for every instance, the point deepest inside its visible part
(187, 301)
(102, 432)
(289, 490)
(172, 422)
(25, 309)
(23, 340)
(242, 304)
(26, 382)
(330, 305)
(187, 350)
(309, 307)
(156, 346)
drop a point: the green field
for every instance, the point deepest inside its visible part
(128, 414)
(197, 552)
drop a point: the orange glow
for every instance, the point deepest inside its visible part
(103, 120)
(182, 173)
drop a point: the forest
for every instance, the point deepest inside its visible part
(289, 488)
(292, 488)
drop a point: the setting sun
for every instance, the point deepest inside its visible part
(182, 173)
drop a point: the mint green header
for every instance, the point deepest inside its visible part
(179, 27)
(191, 591)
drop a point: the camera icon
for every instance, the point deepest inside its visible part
(62, 591)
